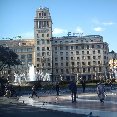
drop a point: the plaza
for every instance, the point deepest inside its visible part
(86, 103)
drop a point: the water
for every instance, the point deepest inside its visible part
(32, 75)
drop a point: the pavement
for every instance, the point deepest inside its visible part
(48, 104)
(86, 103)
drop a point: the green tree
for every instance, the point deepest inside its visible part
(8, 58)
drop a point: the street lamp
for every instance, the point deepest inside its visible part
(113, 62)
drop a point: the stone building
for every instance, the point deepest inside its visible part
(79, 57)
(42, 36)
(25, 50)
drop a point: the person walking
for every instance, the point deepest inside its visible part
(57, 89)
(34, 92)
(83, 82)
(101, 92)
(73, 88)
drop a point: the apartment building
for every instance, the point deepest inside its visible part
(25, 50)
(77, 57)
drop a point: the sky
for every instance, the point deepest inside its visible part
(86, 17)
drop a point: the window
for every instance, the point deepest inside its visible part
(92, 46)
(78, 58)
(55, 48)
(38, 59)
(72, 53)
(94, 52)
(83, 57)
(38, 54)
(44, 14)
(67, 63)
(43, 41)
(43, 48)
(94, 57)
(83, 63)
(56, 70)
(77, 52)
(61, 53)
(29, 56)
(23, 56)
(61, 64)
(76, 47)
(84, 70)
(47, 35)
(67, 53)
(38, 42)
(99, 62)
(98, 46)
(99, 57)
(87, 52)
(94, 62)
(89, 70)
(87, 46)
(71, 58)
(98, 51)
(67, 71)
(56, 64)
(72, 63)
(56, 59)
(48, 48)
(88, 57)
(43, 53)
(42, 35)
(48, 53)
(48, 41)
(72, 47)
(61, 48)
(78, 63)
(38, 48)
(61, 58)
(48, 64)
(67, 47)
(61, 71)
(89, 63)
(66, 58)
(82, 52)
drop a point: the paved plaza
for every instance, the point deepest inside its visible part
(86, 103)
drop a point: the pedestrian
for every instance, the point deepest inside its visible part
(34, 92)
(57, 89)
(73, 88)
(101, 92)
(83, 82)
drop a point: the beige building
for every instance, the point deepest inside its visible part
(42, 36)
(65, 58)
(25, 50)
(75, 57)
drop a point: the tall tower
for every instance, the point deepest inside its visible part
(42, 36)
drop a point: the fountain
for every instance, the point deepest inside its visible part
(31, 77)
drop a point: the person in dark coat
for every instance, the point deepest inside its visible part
(73, 88)
(83, 82)
(57, 89)
(34, 92)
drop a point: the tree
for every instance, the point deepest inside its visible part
(8, 58)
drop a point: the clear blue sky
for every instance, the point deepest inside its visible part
(90, 17)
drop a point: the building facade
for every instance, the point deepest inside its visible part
(79, 57)
(65, 58)
(42, 36)
(25, 50)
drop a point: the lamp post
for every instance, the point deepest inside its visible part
(113, 62)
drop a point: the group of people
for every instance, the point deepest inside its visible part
(100, 90)
(73, 89)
